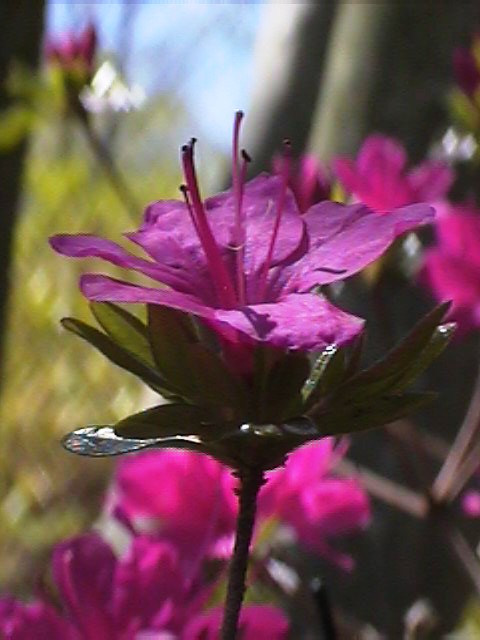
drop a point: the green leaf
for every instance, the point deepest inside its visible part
(404, 362)
(439, 340)
(197, 374)
(170, 338)
(114, 352)
(372, 412)
(282, 396)
(170, 420)
(15, 124)
(125, 329)
(215, 384)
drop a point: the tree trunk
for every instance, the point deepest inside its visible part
(389, 70)
(22, 28)
(289, 61)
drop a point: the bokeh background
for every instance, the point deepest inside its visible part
(323, 74)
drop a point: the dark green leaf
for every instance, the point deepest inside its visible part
(214, 384)
(114, 352)
(439, 340)
(197, 374)
(170, 338)
(282, 396)
(170, 420)
(125, 329)
(372, 412)
(398, 368)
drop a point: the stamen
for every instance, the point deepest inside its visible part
(238, 177)
(184, 190)
(285, 179)
(217, 268)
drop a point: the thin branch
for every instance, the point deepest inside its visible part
(465, 439)
(104, 158)
(390, 492)
(466, 555)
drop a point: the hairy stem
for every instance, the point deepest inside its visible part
(250, 482)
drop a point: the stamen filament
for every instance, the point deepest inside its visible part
(218, 270)
(238, 177)
(285, 175)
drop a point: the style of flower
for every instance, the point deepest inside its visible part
(451, 268)
(74, 53)
(245, 261)
(197, 501)
(144, 595)
(308, 181)
(379, 178)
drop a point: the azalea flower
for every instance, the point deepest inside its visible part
(379, 178)
(451, 268)
(74, 52)
(307, 180)
(303, 497)
(140, 597)
(471, 503)
(245, 261)
(466, 68)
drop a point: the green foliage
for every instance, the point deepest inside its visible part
(52, 383)
(292, 401)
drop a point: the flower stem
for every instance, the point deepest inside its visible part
(105, 160)
(251, 481)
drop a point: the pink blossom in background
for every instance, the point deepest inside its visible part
(451, 268)
(379, 178)
(143, 595)
(318, 506)
(187, 496)
(245, 261)
(73, 51)
(466, 68)
(307, 179)
(471, 503)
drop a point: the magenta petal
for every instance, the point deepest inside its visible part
(458, 233)
(168, 235)
(145, 580)
(256, 622)
(86, 246)
(431, 180)
(83, 569)
(451, 278)
(346, 239)
(305, 322)
(346, 173)
(17, 621)
(101, 288)
(260, 199)
(381, 155)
